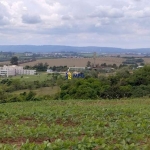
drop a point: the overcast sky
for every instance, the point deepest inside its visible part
(116, 23)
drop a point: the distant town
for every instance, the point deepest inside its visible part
(25, 57)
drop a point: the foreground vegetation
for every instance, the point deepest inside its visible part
(86, 125)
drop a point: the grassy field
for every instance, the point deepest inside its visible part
(41, 91)
(76, 125)
(31, 78)
(40, 77)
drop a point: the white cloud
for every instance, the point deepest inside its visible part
(75, 22)
(107, 12)
(4, 14)
(31, 19)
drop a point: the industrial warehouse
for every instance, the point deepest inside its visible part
(15, 70)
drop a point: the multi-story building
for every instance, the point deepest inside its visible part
(15, 70)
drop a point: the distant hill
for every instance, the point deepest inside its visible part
(59, 48)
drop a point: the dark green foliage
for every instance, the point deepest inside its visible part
(14, 60)
(139, 60)
(38, 67)
(121, 85)
(133, 60)
(141, 91)
(140, 76)
(59, 68)
(80, 89)
(88, 64)
(30, 96)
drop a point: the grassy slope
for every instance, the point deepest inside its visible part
(41, 91)
(122, 124)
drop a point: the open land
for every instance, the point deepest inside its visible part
(80, 62)
(40, 77)
(31, 78)
(87, 124)
(41, 91)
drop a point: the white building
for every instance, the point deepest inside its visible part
(140, 66)
(28, 54)
(15, 70)
(49, 71)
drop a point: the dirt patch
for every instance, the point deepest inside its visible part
(9, 122)
(13, 141)
(80, 62)
(28, 121)
(26, 118)
(19, 140)
(66, 123)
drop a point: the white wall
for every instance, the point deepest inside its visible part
(15, 70)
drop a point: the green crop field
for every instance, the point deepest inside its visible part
(76, 125)
(40, 77)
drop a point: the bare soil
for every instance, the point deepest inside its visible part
(79, 62)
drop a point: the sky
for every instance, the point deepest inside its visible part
(105, 23)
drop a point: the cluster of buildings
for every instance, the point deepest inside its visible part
(15, 70)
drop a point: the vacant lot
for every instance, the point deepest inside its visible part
(80, 62)
(147, 60)
(5, 63)
(76, 125)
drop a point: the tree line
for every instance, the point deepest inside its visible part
(123, 84)
(44, 66)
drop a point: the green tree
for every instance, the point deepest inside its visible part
(41, 67)
(88, 64)
(16, 84)
(3, 96)
(30, 96)
(14, 60)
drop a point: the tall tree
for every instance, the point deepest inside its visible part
(88, 64)
(14, 60)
